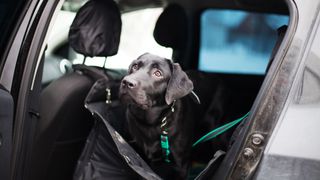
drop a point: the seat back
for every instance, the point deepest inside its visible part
(64, 122)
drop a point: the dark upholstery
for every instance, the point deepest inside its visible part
(64, 122)
(62, 129)
(94, 23)
(171, 29)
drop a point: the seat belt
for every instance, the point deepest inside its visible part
(217, 131)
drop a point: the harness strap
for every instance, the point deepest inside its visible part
(165, 147)
(164, 138)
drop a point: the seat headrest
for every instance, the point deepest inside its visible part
(171, 27)
(96, 29)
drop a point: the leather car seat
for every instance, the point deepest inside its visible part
(64, 122)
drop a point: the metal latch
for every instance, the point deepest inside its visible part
(108, 97)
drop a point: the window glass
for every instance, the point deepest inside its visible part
(234, 41)
(309, 86)
(9, 13)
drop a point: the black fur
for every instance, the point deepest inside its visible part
(148, 100)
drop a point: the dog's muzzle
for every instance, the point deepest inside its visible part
(131, 93)
(129, 83)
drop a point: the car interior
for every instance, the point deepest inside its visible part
(226, 46)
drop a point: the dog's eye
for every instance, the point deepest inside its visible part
(134, 67)
(158, 73)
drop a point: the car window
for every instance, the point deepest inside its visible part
(309, 84)
(233, 41)
(9, 12)
(136, 39)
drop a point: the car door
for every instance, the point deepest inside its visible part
(293, 151)
(22, 47)
(280, 139)
(6, 117)
(10, 20)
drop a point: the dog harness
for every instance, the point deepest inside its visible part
(164, 138)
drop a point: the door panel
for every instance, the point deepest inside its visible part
(6, 120)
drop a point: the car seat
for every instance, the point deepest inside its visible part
(64, 122)
(171, 30)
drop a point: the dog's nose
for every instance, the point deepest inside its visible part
(129, 83)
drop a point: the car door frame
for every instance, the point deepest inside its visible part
(243, 158)
(21, 76)
(8, 63)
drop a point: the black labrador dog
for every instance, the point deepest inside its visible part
(161, 116)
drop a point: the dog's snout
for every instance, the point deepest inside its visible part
(130, 83)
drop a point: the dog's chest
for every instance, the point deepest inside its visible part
(147, 138)
(145, 126)
(143, 133)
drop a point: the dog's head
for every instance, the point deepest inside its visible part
(152, 81)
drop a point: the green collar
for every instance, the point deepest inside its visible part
(164, 138)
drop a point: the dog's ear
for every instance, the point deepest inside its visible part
(179, 84)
